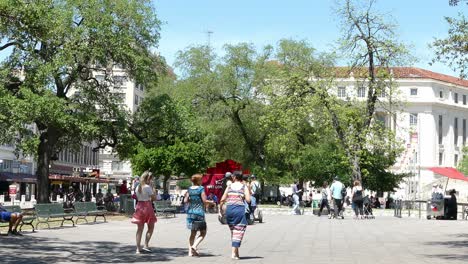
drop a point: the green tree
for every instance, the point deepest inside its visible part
(463, 165)
(370, 43)
(53, 50)
(224, 94)
(168, 160)
(453, 50)
(184, 184)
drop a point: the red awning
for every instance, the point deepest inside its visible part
(448, 172)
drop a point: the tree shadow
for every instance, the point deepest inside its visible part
(51, 250)
(455, 243)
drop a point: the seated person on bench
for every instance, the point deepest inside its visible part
(13, 218)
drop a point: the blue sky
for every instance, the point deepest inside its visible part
(265, 22)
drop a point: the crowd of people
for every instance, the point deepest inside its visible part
(239, 193)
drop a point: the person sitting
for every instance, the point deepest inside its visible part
(99, 198)
(14, 219)
(109, 201)
(377, 203)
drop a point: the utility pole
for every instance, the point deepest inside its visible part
(208, 37)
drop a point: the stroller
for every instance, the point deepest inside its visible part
(340, 213)
(368, 208)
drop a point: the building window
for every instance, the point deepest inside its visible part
(464, 132)
(441, 158)
(361, 92)
(455, 98)
(464, 99)
(414, 91)
(136, 101)
(119, 81)
(341, 91)
(441, 95)
(440, 129)
(455, 131)
(455, 160)
(413, 120)
(383, 93)
(120, 97)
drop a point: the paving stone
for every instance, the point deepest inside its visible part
(282, 239)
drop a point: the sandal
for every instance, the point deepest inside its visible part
(194, 252)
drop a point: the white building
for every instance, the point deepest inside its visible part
(132, 95)
(432, 122)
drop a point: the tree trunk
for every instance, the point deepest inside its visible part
(42, 174)
(165, 187)
(356, 168)
(47, 141)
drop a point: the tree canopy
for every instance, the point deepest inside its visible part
(50, 96)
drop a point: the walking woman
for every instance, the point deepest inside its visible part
(144, 212)
(357, 199)
(195, 197)
(325, 197)
(234, 197)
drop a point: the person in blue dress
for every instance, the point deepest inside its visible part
(195, 197)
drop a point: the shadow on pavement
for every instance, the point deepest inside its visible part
(44, 250)
(456, 243)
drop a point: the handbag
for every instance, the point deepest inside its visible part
(198, 225)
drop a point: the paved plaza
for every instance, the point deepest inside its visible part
(282, 239)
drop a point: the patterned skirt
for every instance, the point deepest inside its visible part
(235, 217)
(144, 213)
(192, 218)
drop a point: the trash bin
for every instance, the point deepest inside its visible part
(126, 203)
(435, 208)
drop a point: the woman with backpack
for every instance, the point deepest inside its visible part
(358, 199)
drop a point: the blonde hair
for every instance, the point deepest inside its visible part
(144, 179)
(197, 179)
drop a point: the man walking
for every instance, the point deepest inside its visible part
(295, 195)
(336, 190)
(255, 187)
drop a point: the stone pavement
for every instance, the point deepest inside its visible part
(282, 239)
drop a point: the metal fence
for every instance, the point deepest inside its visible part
(418, 208)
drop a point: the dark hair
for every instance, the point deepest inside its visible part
(238, 175)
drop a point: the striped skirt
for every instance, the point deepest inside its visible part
(235, 217)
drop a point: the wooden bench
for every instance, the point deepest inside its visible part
(84, 209)
(27, 220)
(46, 213)
(164, 208)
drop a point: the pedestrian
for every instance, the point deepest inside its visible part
(295, 196)
(195, 197)
(325, 198)
(234, 197)
(256, 188)
(144, 212)
(336, 190)
(358, 199)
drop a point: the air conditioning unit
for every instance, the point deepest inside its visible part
(457, 148)
(441, 147)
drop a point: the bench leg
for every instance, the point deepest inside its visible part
(81, 217)
(67, 219)
(28, 223)
(44, 221)
(103, 216)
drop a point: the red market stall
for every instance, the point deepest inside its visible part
(214, 176)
